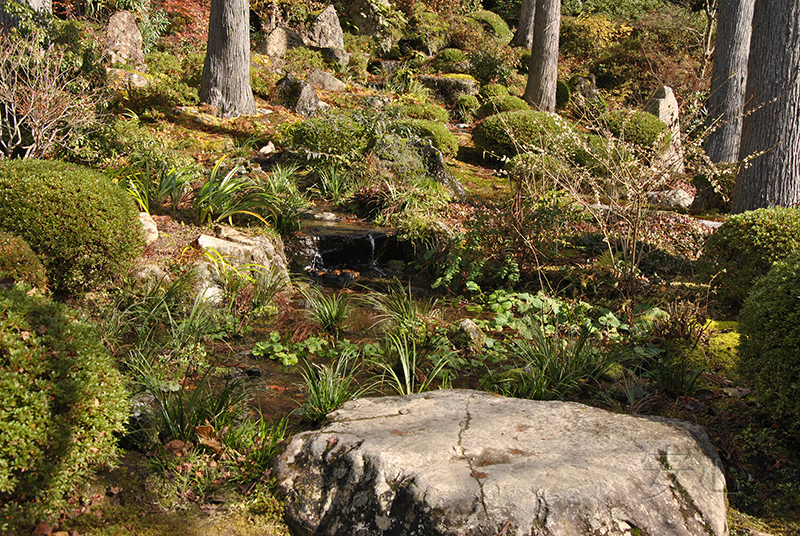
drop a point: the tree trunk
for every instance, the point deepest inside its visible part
(771, 125)
(226, 72)
(540, 91)
(728, 78)
(524, 36)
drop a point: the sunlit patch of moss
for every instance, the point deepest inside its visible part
(723, 342)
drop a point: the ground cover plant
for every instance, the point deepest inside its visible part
(576, 287)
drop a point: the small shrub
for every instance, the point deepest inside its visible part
(493, 24)
(438, 134)
(490, 91)
(19, 262)
(745, 247)
(563, 94)
(62, 402)
(335, 135)
(83, 226)
(496, 105)
(158, 98)
(428, 30)
(491, 64)
(769, 324)
(426, 110)
(467, 106)
(448, 60)
(509, 133)
(639, 128)
(302, 61)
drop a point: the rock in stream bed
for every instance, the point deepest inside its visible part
(459, 462)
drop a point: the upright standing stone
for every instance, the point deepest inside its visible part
(124, 41)
(326, 32)
(664, 106)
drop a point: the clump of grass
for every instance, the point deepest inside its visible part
(327, 387)
(328, 311)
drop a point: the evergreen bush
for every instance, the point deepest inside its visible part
(745, 247)
(61, 400)
(437, 133)
(423, 110)
(493, 24)
(639, 128)
(509, 133)
(84, 227)
(769, 325)
(336, 134)
(467, 106)
(493, 90)
(19, 262)
(495, 105)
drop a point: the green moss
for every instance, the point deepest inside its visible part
(639, 128)
(438, 134)
(489, 91)
(493, 24)
(509, 133)
(495, 105)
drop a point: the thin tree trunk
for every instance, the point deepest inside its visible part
(524, 36)
(771, 125)
(728, 78)
(226, 72)
(540, 90)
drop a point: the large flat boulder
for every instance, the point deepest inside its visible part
(468, 463)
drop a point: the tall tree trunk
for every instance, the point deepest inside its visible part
(771, 125)
(728, 78)
(524, 36)
(540, 90)
(226, 72)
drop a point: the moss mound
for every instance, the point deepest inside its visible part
(510, 133)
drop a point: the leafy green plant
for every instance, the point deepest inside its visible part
(769, 324)
(20, 263)
(222, 198)
(83, 226)
(328, 311)
(327, 387)
(401, 312)
(642, 129)
(401, 348)
(62, 401)
(509, 133)
(254, 443)
(499, 104)
(438, 134)
(334, 183)
(150, 189)
(467, 106)
(279, 349)
(745, 247)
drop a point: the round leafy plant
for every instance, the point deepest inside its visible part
(19, 262)
(61, 400)
(84, 227)
(437, 133)
(769, 325)
(501, 104)
(745, 247)
(510, 133)
(639, 128)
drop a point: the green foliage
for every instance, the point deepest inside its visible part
(745, 247)
(62, 401)
(400, 312)
(639, 128)
(339, 136)
(402, 348)
(150, 189)
(563, 94)
(222, 198)
(490, 91)
(334, 183)
(84, 227)
(509, 133)
(438, 134)
(327, 387)
(328, 311)
(492, 64)
(625, 11)
(302, 61)
(494, 25)
(427, 31)
(278, 348)
(467, 106)
(499, 104)
(423, 110)
(447, 60)
(159, 97)
(19, 262)
(769, 324)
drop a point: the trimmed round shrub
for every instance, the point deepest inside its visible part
(19, 262)
(509, 133)
(334, 135)
(61, 400)
(563, 94)
(84, 227)
(493, 90)
(745, 247)
(428, 111)
(450, 55)
(467, 106)
(493, 24)
(437, 133)
(639, 128)
(496, 105)
(769, 325)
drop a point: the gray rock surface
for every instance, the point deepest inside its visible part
(466, 334)
(664, 106)
(125, 79)
(676, 199)
(149, 227)
(124, 41)
(326, 82)
(437, 169)
(448, 89)
(326, 31)
(296, 95)
(469, 463)
(334, 56)
(279, 41)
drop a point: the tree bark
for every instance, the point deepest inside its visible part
(728, 78)
(226, 72)
(540, 90)
(524, 35)
(771, 124)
